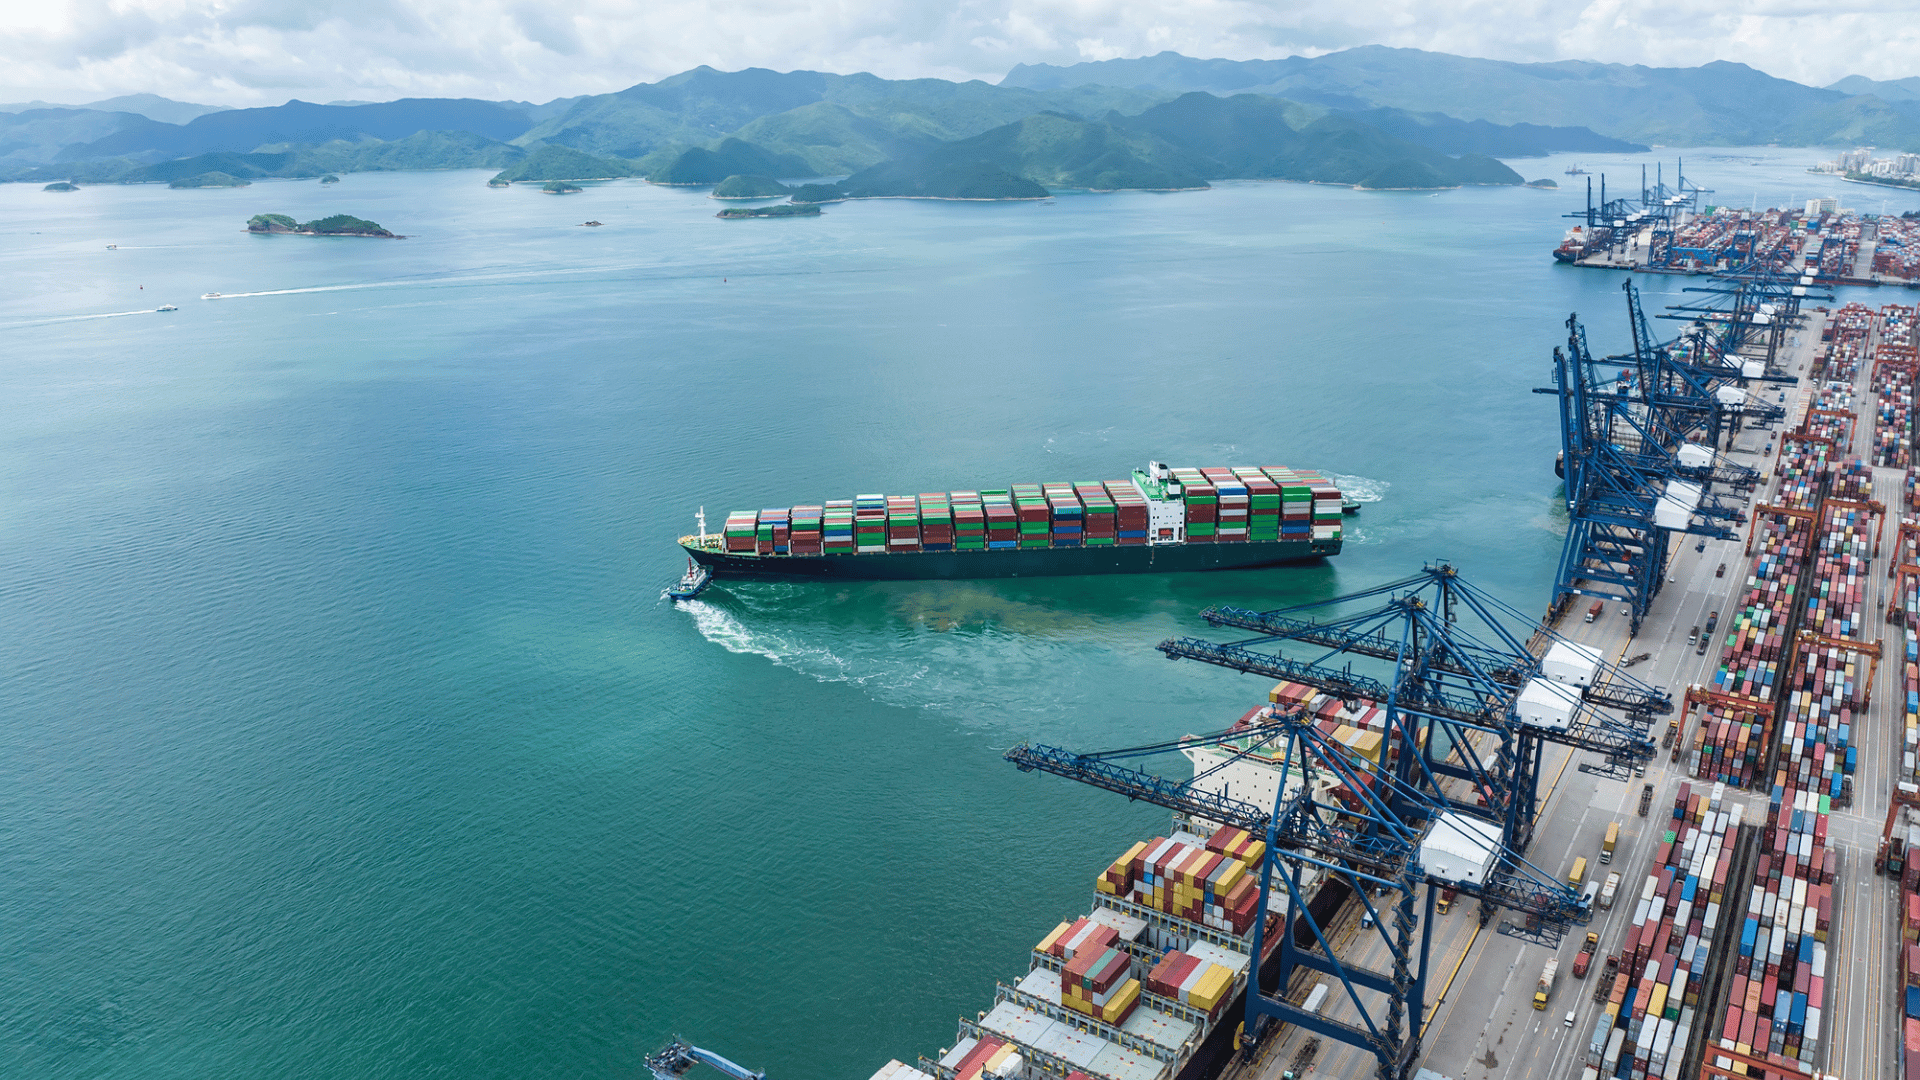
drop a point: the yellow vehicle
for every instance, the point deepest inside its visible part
(1579, 871)
(1612, 841)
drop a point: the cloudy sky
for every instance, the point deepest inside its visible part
(262, 52)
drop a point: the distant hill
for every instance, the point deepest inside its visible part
(1450, 136)
(1718, 103)
(35, 136)
(563, 163)
(1254, 137)
(155, 107)
(151, 106)
(298, 122)
(423, 150)
(1907, 89)
(875, 115)
(1179, 145)
(731, 157)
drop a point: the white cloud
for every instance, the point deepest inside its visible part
(254, 52)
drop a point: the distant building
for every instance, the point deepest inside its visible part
(1856, 160)
(1816, 207)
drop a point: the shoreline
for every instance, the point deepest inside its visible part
(1915, 187)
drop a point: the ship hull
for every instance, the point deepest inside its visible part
(1018, 562)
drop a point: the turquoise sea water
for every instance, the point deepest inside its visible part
(343, 732)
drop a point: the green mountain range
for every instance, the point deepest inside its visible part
(1175, 146)
(702, 125)
(1719, 103)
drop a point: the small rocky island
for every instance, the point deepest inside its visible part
(337, 225)
(778, 210)
(560, 187)
(60, 185)
(329, 179)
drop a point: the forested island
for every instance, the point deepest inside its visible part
(214, 179)
(337, 225)
(777, 210)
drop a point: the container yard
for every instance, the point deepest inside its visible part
(1666, 231)
(1161, 519)
(1755, 888)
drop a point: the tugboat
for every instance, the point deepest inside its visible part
(1576, 170)
(697, 578)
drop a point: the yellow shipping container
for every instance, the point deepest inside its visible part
(999, 1057)
(1255, 852)
(1103, 885)
(1230, 875)
(1211, 988)
(1047, 942)
(1121, 1002)
(1658, 1002)
(1367, 745)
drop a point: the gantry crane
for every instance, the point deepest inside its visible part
(1641, 441)
(1453, 708)
(1461, 690)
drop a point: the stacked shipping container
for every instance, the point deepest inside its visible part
(1650, 1010)
(1129, 992)
(1217, 506)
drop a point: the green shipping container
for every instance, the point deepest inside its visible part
(1199, 528)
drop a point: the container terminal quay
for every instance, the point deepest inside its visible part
(1674, 229)
(1661, 831)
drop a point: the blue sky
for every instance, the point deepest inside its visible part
(263, 52)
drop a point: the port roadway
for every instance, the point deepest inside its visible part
(1481, 1024)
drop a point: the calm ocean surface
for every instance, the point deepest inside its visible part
(344, 733)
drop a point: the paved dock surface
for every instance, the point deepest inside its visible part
(1481, 1023)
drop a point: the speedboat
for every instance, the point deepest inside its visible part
(210, 296)
(166, 307)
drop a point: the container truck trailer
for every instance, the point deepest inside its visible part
(1548, 975)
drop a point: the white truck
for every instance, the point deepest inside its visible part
(1608, 890)
(1547, 976)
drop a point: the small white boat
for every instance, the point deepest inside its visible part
(210, 296)
(166, 307)
(113, 247)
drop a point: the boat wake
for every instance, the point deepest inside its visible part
(720, 627)
(1361, 489)
(56, 319)
(916, 666)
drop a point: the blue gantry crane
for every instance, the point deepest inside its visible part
(1641, 438)
(1457, 705)
(678, 1056)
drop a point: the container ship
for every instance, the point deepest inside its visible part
(1160, 520)
(1151, 983)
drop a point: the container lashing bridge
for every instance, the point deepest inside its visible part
(1453, 709)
